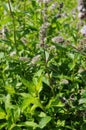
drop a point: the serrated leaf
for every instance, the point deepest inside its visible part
(37, 80)
(38, 73)
(35, 105)
(28, 99)
(38, 86)
(29, 85)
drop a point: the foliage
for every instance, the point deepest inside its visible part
(42, 66)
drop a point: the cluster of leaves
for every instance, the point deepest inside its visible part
(42, 76)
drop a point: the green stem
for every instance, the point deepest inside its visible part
(13, 20)
(24, 12)
(50, 80)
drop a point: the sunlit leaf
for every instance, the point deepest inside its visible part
(8, 104)
(29, 124)
(3, 125)
(46, 80)
(2, 114)
(10, 89)
(44, 121)
(38, 86)
(37, 80)
(29, 85)
(82, 101)
(28, 99)
(1, 55)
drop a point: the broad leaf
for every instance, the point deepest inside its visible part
(44, 121)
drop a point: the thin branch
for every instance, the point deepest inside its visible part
(13, 20)
(24, 12)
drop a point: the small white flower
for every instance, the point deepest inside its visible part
(83, 30)
(13, 53)
(81, 70)
(35, 59)
(23, 59)
(53, 6)
(84, 10)
(64, 81)
(81, 15)
(43, 1)
(58, 39)
(80, 8)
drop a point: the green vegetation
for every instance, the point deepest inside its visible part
(42, 66)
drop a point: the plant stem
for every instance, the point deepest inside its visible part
(13, 20)
(44, 21)
(24, 12)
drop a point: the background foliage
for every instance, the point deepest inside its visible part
(42, 66)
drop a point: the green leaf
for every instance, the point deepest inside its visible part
(1, 55)
(61, 123)
(6, 7)
(8, 104)
(16, 112)
(54, 102)
(16, 128)
(38, 73)
(45, 79)
(82, 101)
(29, 85)
(42, 114)
(71, 66)
(37, 80)
(2, 114)
(35, 105)
(38, 86)
(83, 127)
(29, 124)
(2, 126)
(27, 100)
(44, 121)
(10, 89)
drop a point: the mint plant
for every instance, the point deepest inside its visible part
(42, 66)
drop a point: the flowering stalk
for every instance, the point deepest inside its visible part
(82, 9)
(43, 37)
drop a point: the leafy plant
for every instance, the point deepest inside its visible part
(42, 66)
